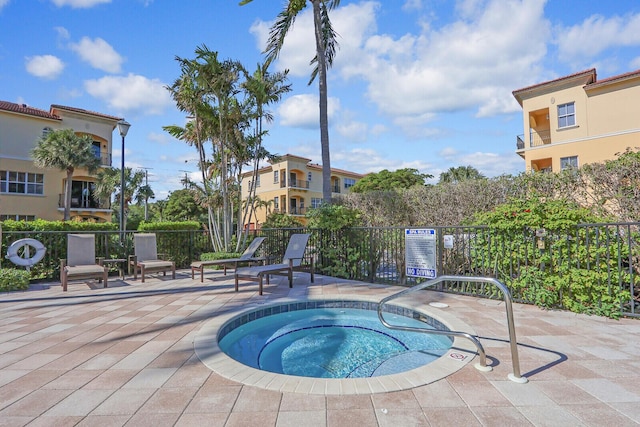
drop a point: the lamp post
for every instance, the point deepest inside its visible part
(123, 128)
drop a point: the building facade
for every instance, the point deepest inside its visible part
(28, 192)
(578, 119)
(292, 186)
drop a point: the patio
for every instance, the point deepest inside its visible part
(124, 355)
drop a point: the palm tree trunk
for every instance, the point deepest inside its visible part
(67, 195)
(324, 120)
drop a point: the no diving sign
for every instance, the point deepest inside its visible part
(420, 252)
(457, 356)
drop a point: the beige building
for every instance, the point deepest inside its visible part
(578, 119)
(293, 185)
(28, 192)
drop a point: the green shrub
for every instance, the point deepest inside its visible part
(169, 226)
(214, 256)
(12, 279)
(537, 250)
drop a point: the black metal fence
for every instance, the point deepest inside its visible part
(602, 259)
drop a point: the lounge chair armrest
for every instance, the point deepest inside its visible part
(100, 260)
(63, 263)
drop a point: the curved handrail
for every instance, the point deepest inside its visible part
(515, 376)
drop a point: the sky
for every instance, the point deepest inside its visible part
(423, 84)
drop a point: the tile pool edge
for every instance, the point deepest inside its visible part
(459, 355)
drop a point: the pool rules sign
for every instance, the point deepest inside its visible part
(420, 252)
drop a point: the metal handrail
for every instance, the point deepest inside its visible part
(515, 376)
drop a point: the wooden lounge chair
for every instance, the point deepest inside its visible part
(292, 261)
(246, 257)
(147, 259)
(81, 260)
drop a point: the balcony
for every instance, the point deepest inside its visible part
(90, 203)
(297, 210)
(536, 139)
(105, 160)
(299, 183)
(335, 188)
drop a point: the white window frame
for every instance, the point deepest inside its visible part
(349, 182)
(568, 117)
(29, 182)
(567, 162)
(276, 177)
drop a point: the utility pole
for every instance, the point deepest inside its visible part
(186, 178)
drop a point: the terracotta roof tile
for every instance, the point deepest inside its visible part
(25, 109)
(612, 79)
(82, 111)
(585, 72)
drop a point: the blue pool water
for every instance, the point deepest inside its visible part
(332, 343)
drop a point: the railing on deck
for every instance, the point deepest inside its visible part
(607, 256)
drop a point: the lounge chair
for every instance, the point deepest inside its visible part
(246, 257)
(292, 261)
(147, 259)
(81, 260)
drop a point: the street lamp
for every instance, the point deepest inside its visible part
(123, 128)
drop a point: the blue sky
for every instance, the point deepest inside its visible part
(424, 84)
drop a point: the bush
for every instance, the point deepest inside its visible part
(537, 250)
(214, 256)
(12, 279)
(169, 226)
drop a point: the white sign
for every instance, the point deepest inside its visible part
(448, 241)
(420, 252)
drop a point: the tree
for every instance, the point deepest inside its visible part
(385, 180)
(108, 184)
(460, 173)
(182, 206)
(65, 150)
(325, 52)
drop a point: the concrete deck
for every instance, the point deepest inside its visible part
(125, 356)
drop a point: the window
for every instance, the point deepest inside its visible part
(18, 217)
(21, 182)
(316, 202)
(96, 149)
(276, 203)
(566, 115)
(309, 176)
(46, 131)
(569, 162)
(258, 181)
(275, 177)
(349, 182)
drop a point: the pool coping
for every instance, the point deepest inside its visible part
(461, 353)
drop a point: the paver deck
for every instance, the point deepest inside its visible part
(124, 355)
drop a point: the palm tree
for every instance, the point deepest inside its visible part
(63, 149)
(325, 51)
(262, 88)
(108, 184)
(460, 173)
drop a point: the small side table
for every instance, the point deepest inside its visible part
(119, 261)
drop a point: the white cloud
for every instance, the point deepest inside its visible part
(99, 54)
(79, 4)
(303, 110)
(132, 93)
(3, 3)
(44, 66)
(595, 35)
(160, 138)
(473, 63)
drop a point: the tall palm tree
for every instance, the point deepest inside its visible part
(65, 150)
(325, 52)
(262, 88)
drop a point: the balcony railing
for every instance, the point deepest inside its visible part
(297, 210)
(105, 159)
(536, 139)
(335, 188)
(90, 203)
(298, 183)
